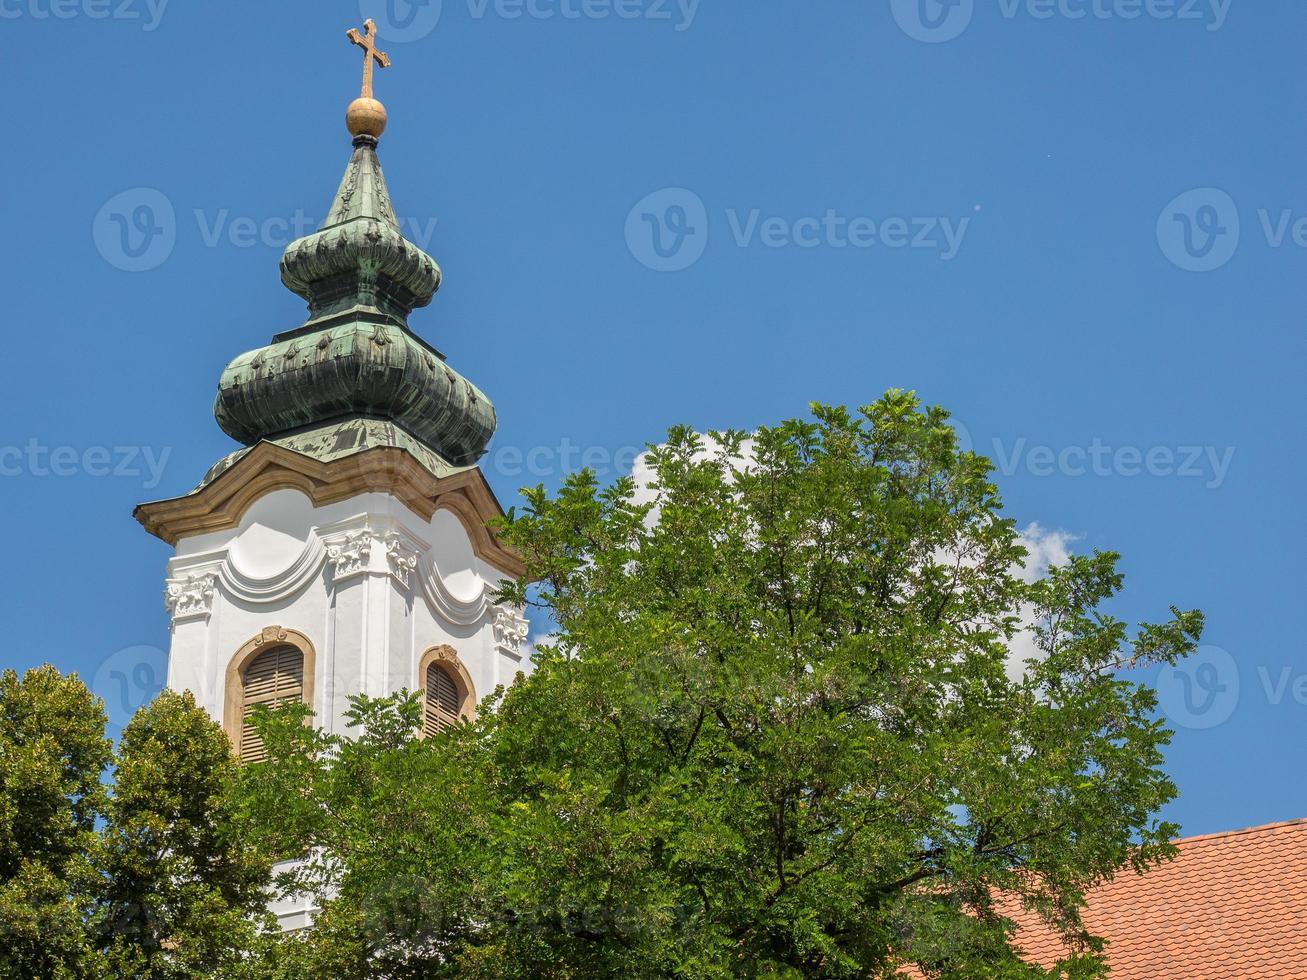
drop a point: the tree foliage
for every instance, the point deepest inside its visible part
(140, 876)
(778, 733)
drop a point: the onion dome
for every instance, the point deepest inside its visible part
(355, 357)
(359, 258)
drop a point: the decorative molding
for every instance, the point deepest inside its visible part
(266, 467)
(341, 548)
(350, 555)
(191, 597)
(461, 612)
(402, 559)
(511, 630)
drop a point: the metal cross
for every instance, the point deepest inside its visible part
(368, 42)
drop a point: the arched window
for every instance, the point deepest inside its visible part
(274, 668)
(442, 701)
(275, 677)
(447, 696)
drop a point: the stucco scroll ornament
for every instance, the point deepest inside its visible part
(191, 595)
(351, 555)
(511, 629)
(403, 560)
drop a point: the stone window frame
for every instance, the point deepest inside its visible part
(271, 637)
(447, 657)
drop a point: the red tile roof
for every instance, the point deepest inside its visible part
(1231, 906)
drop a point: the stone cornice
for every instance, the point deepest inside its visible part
(267, 467)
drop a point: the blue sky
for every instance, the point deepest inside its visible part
(1071, 222)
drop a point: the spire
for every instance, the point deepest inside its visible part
(355, 358)
(359, 258)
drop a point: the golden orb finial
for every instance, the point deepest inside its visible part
(366, 116)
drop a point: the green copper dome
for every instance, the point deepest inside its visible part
(359, 257)
(356, 357)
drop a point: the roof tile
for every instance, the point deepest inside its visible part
(1231, 906)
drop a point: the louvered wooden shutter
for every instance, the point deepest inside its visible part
(442, 702)
(276, 677)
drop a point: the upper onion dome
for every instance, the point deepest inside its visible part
(359, 257)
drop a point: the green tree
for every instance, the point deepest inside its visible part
(389, 828)
(778, 734)
(142, 875)
(52, 752)
(180, 886)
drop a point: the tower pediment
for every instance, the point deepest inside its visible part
(376, 464)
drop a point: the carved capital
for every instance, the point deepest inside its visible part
(350, 555)
(190, 596)
(511, 629)
(402, 560)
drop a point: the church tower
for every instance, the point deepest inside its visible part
(344, 549)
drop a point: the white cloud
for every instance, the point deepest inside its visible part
(646, 479)
(1047, 547)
